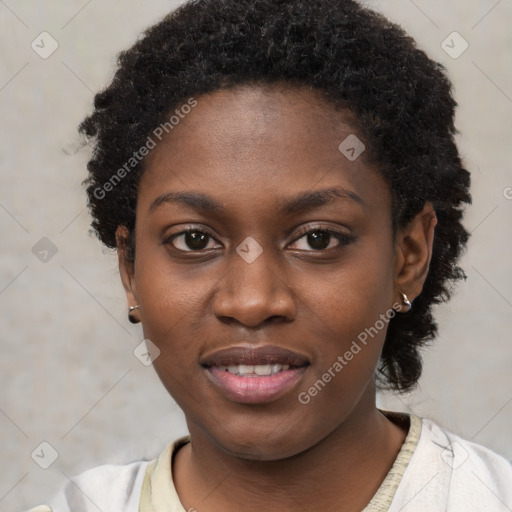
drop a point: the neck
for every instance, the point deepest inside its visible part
(342, 469)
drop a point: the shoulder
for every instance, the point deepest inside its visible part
(454, 473)
(456, 451)
(115, 488)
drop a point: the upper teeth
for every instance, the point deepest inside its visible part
(255, 369)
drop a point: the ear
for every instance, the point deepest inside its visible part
(413, 246)
(126, 267)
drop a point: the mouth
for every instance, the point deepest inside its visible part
(254, 374)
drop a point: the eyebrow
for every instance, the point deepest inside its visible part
(304, 201)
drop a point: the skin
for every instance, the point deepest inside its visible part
(250, 148)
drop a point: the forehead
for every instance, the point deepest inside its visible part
(260, 141)
(269, 113)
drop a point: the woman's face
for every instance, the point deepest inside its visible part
(289, 259)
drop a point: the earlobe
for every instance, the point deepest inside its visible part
(414, 246)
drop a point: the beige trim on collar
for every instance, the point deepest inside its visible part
(158, 491)
(382, 499)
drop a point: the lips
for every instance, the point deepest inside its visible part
(247, 374)
(245, 355)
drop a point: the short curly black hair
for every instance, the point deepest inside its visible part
(358, 60)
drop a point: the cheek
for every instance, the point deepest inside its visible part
(351, 308)
(169, 293)
(173, 305)
(354, 295)
(173, 310)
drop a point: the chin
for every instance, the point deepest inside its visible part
(260, 445)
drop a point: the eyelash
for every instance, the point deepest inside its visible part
(342, 238)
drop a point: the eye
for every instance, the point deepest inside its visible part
(190, 240)
(320, 239)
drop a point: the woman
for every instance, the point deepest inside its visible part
(281, 183)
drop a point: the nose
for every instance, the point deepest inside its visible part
(252, 293)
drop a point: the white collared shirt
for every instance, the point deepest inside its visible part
(435, 471)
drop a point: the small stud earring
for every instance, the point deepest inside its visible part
(133, 319)
(406, 301)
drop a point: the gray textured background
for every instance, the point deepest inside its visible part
(68, 373)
